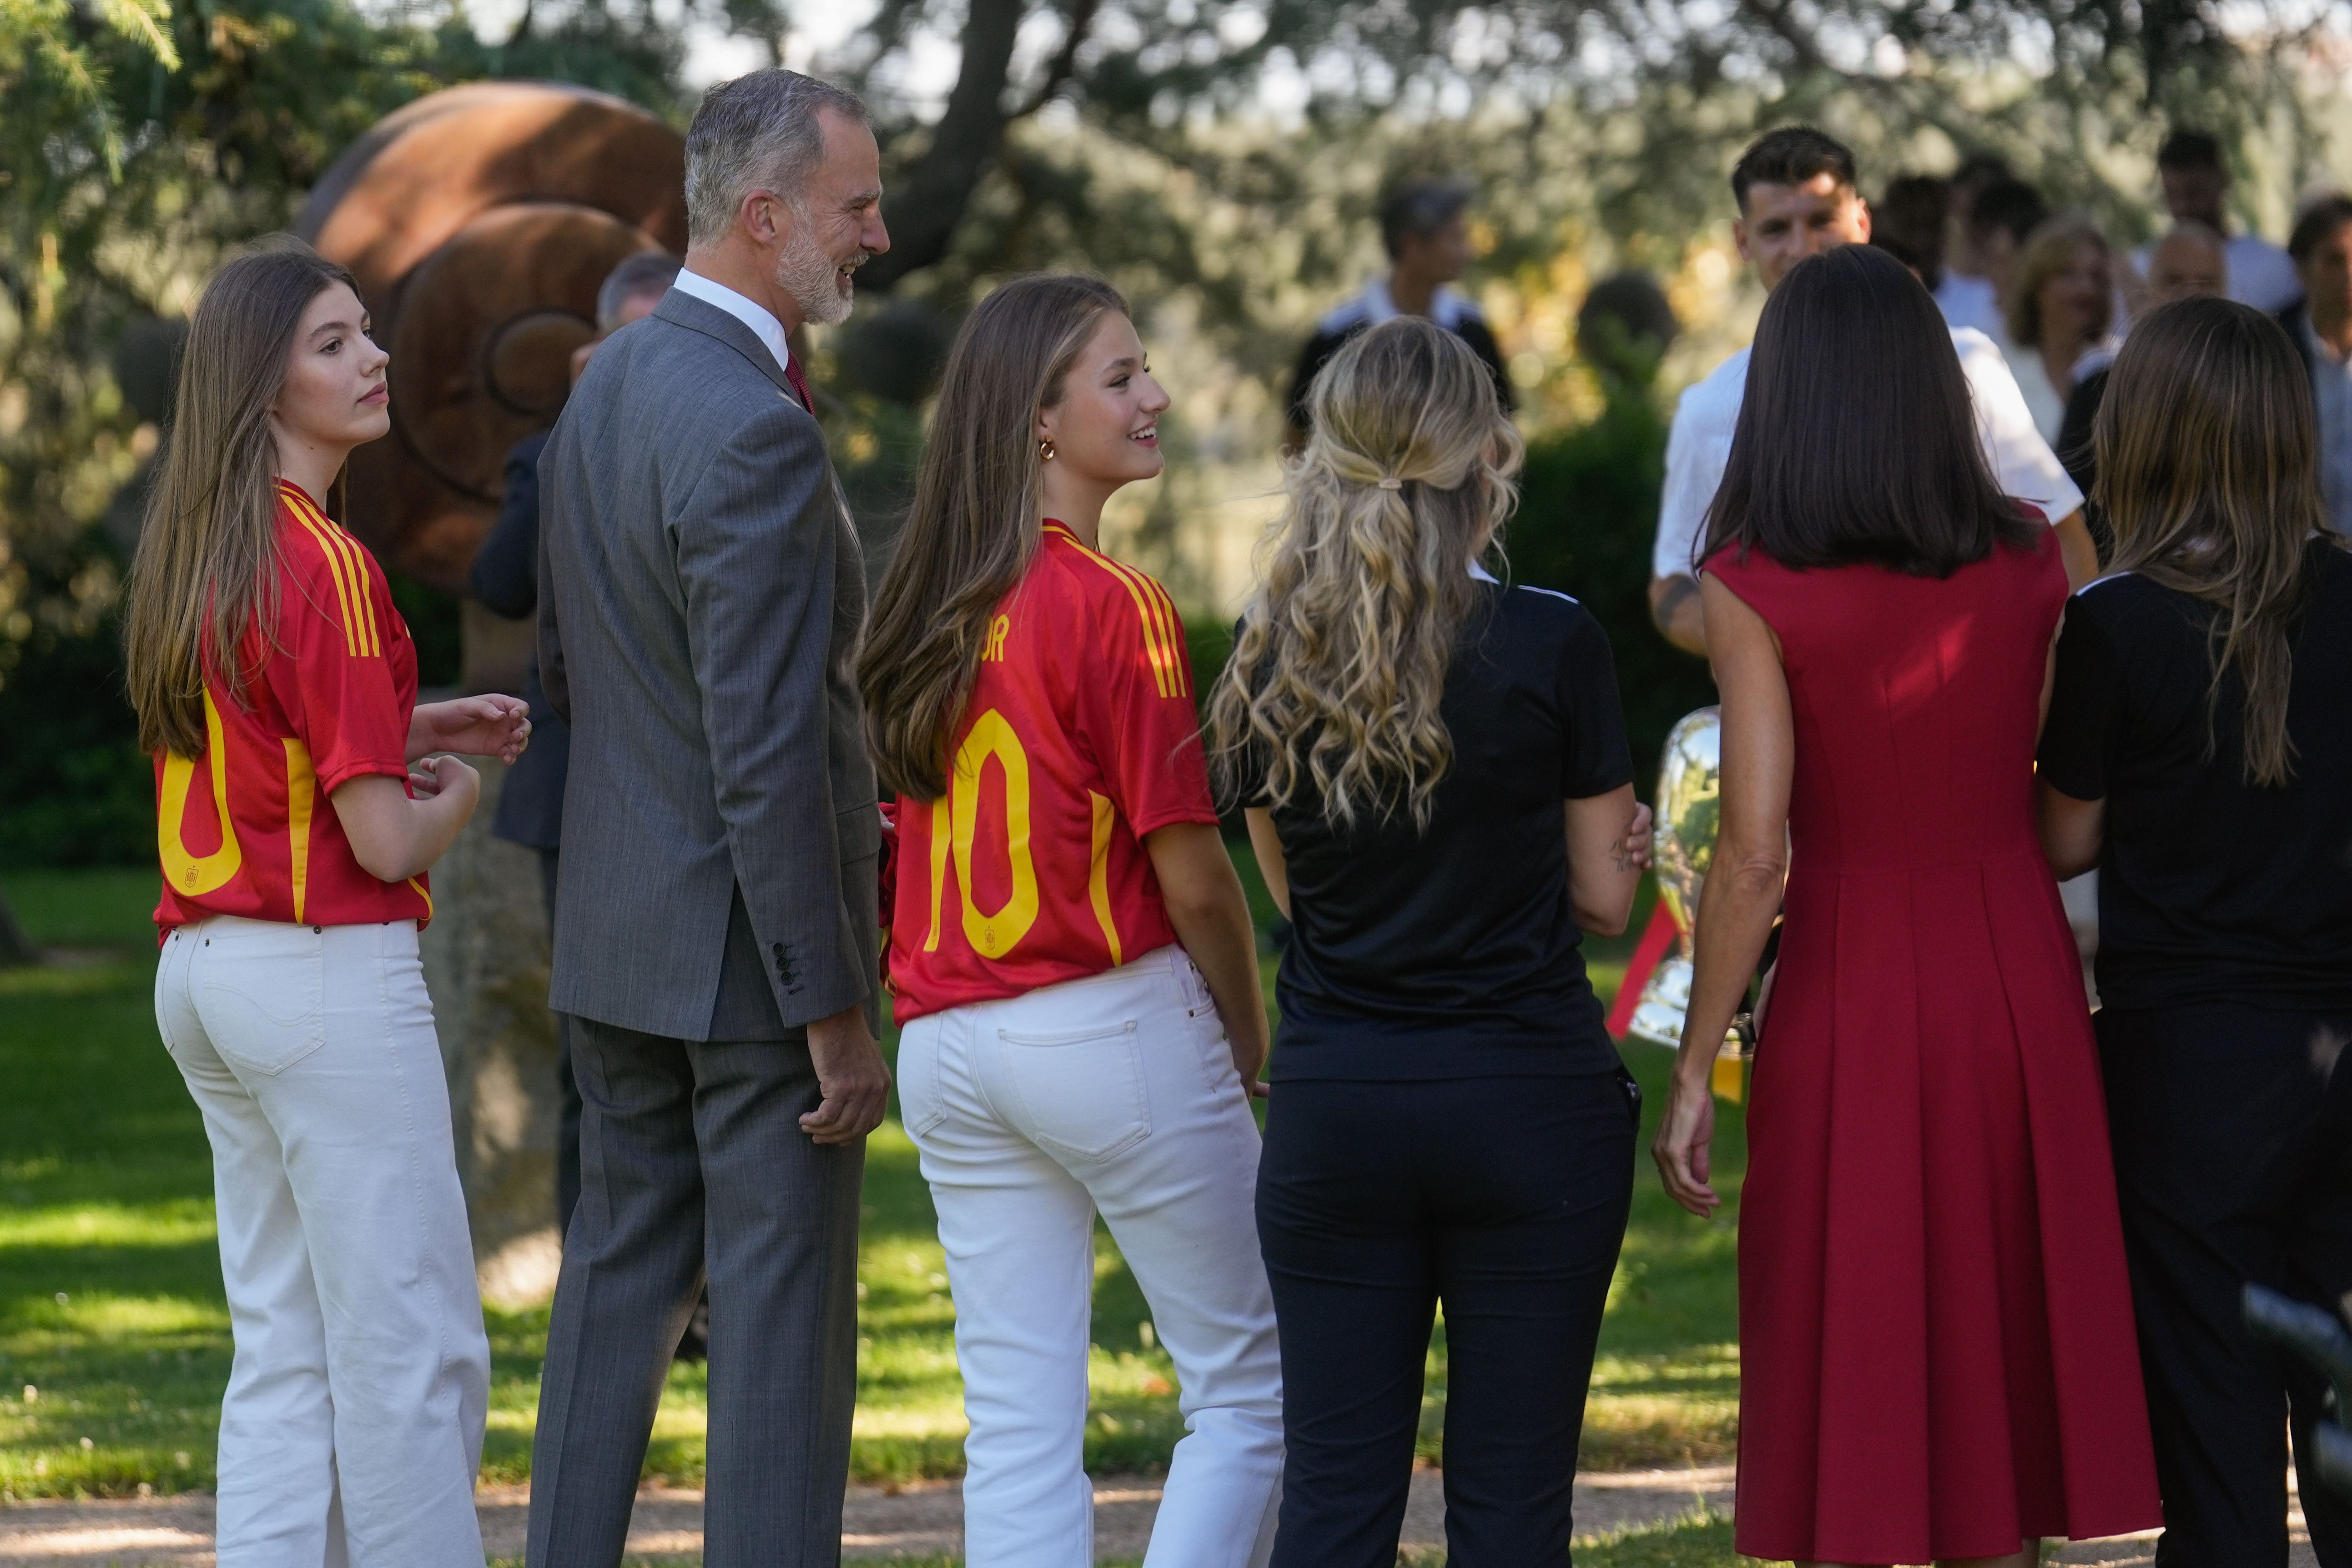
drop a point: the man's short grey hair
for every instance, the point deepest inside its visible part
(759, 132)
(648, 272)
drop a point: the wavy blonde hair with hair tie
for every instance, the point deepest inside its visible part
(1330, 700)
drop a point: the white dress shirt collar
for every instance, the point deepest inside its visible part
(765, 327)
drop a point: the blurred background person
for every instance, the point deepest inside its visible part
(2005, 212)
(1795, 191)
(505, 577)
(2060, 303)
(2196, 182)
(1907, 222)
(2320, 325)
(1426, 228)
(2190, 262)
(2199, 751)
(1963, 293)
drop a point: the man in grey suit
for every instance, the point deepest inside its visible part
(715, 929)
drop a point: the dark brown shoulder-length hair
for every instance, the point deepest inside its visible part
(973, 529)
(1857, 441)
(2207, 452)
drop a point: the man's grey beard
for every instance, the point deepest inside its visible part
(806, 274)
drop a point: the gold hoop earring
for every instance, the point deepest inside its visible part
(1046, 450)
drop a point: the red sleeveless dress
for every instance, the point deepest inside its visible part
(1938, 1356)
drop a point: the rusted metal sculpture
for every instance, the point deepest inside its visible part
(479, 222)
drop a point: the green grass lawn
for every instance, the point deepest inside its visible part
(114, 1339)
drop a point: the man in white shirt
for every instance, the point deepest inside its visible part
(1965, 292)
(1795, 189)
(2196, 182)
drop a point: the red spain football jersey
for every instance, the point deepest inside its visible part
(1079, 741)
(247, 827)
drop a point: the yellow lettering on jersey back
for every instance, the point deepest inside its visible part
(994, 935)
(195, 875)
(301, 794)
(1098, 873)
(992, 652)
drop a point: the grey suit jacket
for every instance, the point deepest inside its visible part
(699, 611)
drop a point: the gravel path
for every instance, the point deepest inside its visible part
(918, 1520)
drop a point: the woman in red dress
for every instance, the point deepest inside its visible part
(1936, 1331)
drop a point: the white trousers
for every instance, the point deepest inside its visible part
(1115, 1092)
(351, 1429)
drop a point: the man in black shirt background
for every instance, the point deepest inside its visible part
(1426, 228)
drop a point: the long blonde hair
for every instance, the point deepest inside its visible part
(973, 530)
(1331, 695)
(2207, 469)
(202, 577)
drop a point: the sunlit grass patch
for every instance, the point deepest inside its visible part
(105, 1197)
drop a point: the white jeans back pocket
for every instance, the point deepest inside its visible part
(261, 996)
(1080, 1091)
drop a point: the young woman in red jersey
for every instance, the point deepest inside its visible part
(1071, 956)
(296, 809)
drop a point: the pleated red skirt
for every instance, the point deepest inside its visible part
(1937, 1354)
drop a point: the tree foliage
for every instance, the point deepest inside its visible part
(1218, 158)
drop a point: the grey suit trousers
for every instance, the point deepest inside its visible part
(693, 1166)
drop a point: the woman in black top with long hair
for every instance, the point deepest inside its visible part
(1439, 796)
(2199, 752)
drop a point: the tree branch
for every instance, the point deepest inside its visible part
(1082, 17)
(927, 202)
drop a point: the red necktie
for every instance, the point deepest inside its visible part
(800, 383)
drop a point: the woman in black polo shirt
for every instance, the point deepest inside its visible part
(2199, 752)
(1439, 793)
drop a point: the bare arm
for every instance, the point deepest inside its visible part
(1608, 849)
(2073, 831)
(395, 837)
(2076, 548)
(1678, 611)
(491, 726)
(1744, 881)
(1271, 865)
(1211, 920)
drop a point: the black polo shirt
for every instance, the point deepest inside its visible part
(2210, 888)
(1453, 952)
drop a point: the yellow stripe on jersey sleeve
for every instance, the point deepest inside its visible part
(1180, 656)
(1159, 621)
(1155, 636)
(422, 893)
(352, 640)
(346, 549)
(301, 795)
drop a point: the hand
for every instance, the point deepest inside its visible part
(480, 727)
(1634, 849)
(1684, 1132)
(431, 776)
(1249, 1065)
(850, 1076)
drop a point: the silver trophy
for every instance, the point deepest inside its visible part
(1690, 783)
